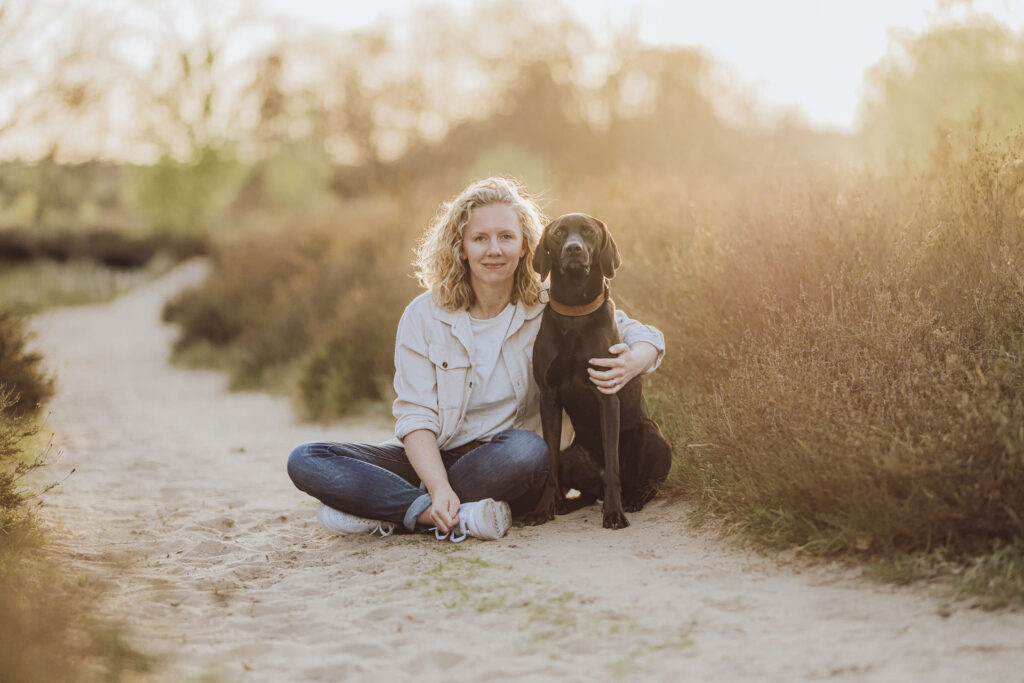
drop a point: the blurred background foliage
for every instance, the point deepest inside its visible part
(844, 311)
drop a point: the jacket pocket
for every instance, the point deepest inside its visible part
(451, 367)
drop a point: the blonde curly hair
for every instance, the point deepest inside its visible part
(439, 265)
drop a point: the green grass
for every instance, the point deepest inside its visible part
(38, 285)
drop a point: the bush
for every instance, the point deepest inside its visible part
(186, 198)
(22, 380)
(106, 247)
(857, 384)
(312, 313)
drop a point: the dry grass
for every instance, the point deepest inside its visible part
(846, 373)
(24, 386)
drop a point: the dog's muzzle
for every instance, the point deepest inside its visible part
(575, 255)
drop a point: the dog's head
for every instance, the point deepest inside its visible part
(576, 242)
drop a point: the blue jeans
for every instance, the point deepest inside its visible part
(379, 482)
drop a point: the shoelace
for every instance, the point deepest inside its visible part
(450, 535)
(384, 532)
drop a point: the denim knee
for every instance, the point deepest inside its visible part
(297, 461)
(527, 450)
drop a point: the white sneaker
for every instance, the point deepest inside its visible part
(343, 524)
(486, 519)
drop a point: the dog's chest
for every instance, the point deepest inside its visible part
(568, 352)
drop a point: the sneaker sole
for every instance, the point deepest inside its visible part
(329, 521)
(496, 515)
(323, 516)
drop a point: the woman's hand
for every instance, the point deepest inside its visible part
(629, 361)
(444, 509)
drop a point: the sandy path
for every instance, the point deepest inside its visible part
(216, 565)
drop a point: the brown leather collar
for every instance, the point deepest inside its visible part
(582, 309)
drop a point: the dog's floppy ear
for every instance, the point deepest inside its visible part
(609, 256)
(542, 258)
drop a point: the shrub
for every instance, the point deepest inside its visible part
(107, 247)
(312, 312)
(21, 377)
(871, 396)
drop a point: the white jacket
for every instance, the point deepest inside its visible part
(433, 377)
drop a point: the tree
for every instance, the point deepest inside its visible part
(944, 77)
(52, 63)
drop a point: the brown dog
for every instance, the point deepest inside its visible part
(619, 454)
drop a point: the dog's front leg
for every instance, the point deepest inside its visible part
(614, 515)
(551, 423)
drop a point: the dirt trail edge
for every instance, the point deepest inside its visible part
(216, 565)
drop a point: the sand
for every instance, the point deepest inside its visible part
(216, 567)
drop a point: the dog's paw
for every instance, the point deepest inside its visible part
(539, 515)
(633, 505)
(615, 519)
(635, 501)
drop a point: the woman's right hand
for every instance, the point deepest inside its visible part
(444, 509)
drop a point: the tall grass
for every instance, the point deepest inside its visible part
(844, 370)
(873, 398)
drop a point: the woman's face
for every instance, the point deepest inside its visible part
(492, 244)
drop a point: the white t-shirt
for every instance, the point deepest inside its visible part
(492, 404)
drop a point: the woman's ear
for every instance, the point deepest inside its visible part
(609, 256)
(542, 257)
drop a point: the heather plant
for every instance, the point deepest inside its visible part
(26, 387)
(871, 395)
(311, 311)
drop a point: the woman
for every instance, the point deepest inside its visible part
(467, 453)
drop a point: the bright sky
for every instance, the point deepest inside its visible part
(805, 53)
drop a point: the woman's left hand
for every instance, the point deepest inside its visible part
(627, 364)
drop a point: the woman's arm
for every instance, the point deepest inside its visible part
(629, 361)
(415, 405)
(642, 349)
(416, 418)
(425, 457)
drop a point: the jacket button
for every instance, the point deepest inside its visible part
(444, 364)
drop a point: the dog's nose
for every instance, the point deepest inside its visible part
(573, 247)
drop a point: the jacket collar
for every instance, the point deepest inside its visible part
(462, 327)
